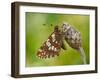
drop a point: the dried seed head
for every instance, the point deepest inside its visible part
(65, 27)
(72, 36)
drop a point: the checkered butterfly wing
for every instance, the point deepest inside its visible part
(52, 45)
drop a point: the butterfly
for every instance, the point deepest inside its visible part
(52, 46)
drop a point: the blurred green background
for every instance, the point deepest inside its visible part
(38, 28)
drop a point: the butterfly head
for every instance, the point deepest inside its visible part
(56, 29)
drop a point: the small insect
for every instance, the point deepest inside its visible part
(46, 24)
(52, 45)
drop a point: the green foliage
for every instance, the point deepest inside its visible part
(37, 34)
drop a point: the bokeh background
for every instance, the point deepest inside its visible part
(40, 25)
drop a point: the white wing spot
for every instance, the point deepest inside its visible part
(55, 49)
(48, 44)
(56, 42)
(39, 55)
(49, 48)
(52, 47)
(48, 40)
(53, 37)
(40, 50)
(43, 53)
(53, 40)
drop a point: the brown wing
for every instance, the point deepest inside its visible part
(51, 46)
